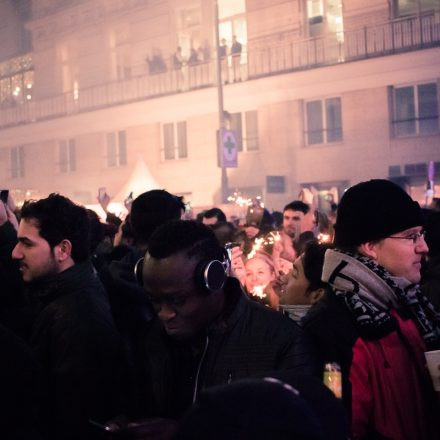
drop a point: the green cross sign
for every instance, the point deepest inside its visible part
(229, 144)
(229, 147)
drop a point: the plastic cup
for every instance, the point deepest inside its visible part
(433, 363)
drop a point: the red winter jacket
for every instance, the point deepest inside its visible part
(390, 385)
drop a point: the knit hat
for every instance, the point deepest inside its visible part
(256, 409)
(374, 210)
(151, 209)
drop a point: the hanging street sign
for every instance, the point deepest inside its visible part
(229, 149)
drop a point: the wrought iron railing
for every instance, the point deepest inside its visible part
(258, 60)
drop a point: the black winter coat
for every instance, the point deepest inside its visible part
(15, 313)
(248, 339)
(80, 350)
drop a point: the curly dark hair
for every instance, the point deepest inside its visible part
(58, 219)
(196, 239)
(297, 205)
(313, 261)
(215, 212)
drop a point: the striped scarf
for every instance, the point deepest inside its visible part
(370, 291)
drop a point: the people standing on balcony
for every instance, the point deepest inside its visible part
(236, 58)
(206, 51)
(193, 67)
(156, 64)
(178, 63)
(178, 59)
(223, 55)
(193, 58)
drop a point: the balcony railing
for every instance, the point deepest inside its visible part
(260, 60)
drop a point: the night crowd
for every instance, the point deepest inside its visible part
(297, 324)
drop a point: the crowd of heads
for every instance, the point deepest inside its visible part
(278, 263)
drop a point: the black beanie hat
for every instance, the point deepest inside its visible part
(374, 210)
(251, 409)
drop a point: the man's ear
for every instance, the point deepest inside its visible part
(368, 249)
(63, 250)
(316, 295)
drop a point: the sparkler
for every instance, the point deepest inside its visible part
(259, 242)
(241, 201)
(324, 238)
(258, 291)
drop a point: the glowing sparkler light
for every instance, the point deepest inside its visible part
(258, 242)
(241, 201)
(323, 238)
(258, 291)
(274, 236)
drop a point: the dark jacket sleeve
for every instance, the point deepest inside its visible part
(14, 311)
(300, 354)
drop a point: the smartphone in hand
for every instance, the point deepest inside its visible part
(101, 193)
(4, 195)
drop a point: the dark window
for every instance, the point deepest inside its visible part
(324, 121)
(394, 170)
(276, 184)
(411, 7)
(315, 128)
(415, 110)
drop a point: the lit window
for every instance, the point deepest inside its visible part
(174, 141)
(415, 110)
(67, 155)
(228, 8)
(17, 162)
(323, 121)
(116, 149)
(315, 11)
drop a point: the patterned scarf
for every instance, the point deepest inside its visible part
(369, 291)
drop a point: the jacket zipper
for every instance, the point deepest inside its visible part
(199, 367)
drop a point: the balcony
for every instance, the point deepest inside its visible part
(261, 59)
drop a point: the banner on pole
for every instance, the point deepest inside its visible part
(229, 148)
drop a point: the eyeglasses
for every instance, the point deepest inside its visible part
(415, 237)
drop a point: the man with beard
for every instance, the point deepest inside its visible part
(297, 219)
(73, 335)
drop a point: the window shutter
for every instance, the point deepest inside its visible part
(122, 138)
(181, 139)
(72, 154)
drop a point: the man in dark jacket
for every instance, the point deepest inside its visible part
(73, 335)
(207, 332)
(130, 307)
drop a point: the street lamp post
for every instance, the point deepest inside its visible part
(224, 176)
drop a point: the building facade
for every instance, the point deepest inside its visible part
(320, 93)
